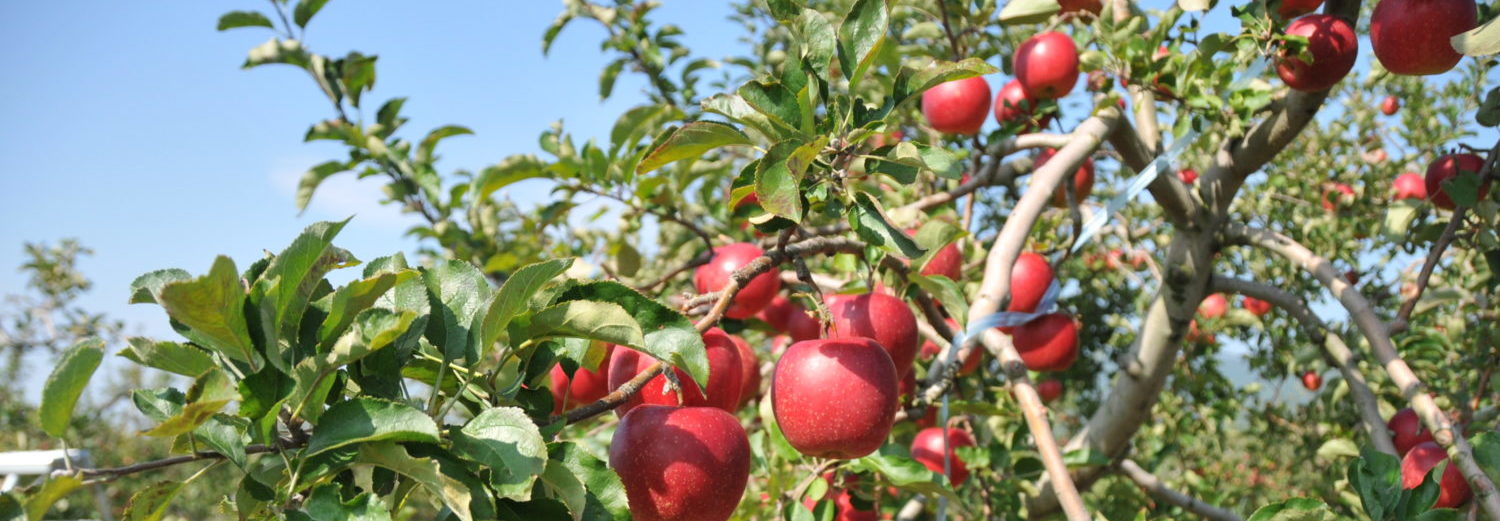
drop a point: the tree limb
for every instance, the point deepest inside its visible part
(1159, 490)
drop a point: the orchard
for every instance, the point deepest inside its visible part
(905, 259)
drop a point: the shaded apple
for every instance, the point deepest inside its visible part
(879, 317)
(1030, 277)
(1337, 195)
(1411, 37)
(1257, 306)
(584, 387)
(927, 448)
(681, 463)
(1407, 430)
(1290, 9)
(835, 398)
(1049, 390)
(1312, 381)
(1049, 343)
(750, 376)
(1390, 105)
(724, 378)
(1074, 6)
(715, 275)
(1448, 167)
(1083, 180)
(1333, 46)
(1420, 460)
(1409, 185)
(1014, 106)
(948, 262)
(958, 106)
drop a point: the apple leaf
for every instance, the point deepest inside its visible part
(1018, 12)
(774, 100)
(860, 36)
(690, 141)
(507, 442)
(870, 223)
(74, 369)
(602, 321)
(1296, 509)
(1480, 41)
(367, 419)
(325, 504)
(453, 493)
(905, 473)
(234, 19)
(669, 336)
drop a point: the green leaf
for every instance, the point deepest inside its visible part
(213, 309)
(778, 179)
(315, 177)
(1337, 448)
(563, 486)
(607, 77)
(143, 289)
(289, 52)
(1463, 189)
(783, 10)
(1018, 12)
(512, 169)
(603, 484)
(1297, 509)
(1398, 218)
(71, 374)
(348, 301)
(947, 292)
(189, 418)
(374, 329)
(905, 473)
(819, 41)
(1376, 478)
(911, 83)
(738, 110)
(1486, 447)
(282, 292)
(669, 336)
(55, 488)
(453, 493)
(507, 442)
(691, 141)
(158, 404)
(459, 294)
(234, 19)
(1479, 41)
(860, 35)
(774, 100)
(305, 10)
(636, 123)
(183, 359)
(515, 296)
(326, 504)
(150, 503)
(364, 420)
(429, 143)
(11, 508)
(602, 321)
(870, 223)
(225, 435)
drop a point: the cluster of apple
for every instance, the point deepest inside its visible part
(1419, 454)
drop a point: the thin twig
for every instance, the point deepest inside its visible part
(1153, 485)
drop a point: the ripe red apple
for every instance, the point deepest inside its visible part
(1029, 279)
(971, 364)
(681, 463)
(1452, 489)
(777, 312)
(724, 377)
(927, 449)
(1407, 430)
(750, 374)
(844, 507)
(1336, 195)
(1333, 46)
(584, 387)
(1290, 9)
(835, 398)
(1411, 36)
(1352, 277)
(1390, 105)
(879, 317)
(1014, 106)
(948, 262)
(1409, 185)
(1074, 6)
(1213, 306)
(715, 275)
(1049, 390)
(1376, 157)
(1448, 167)
(1083, 180)
(1049, 343)
(1047, 65)
(1196, 335)
(1312, 381)
(802, 326)
(958, 106)
(1187, 175)
(1257, 306)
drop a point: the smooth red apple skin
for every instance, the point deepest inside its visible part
(879, 317)
(1448, 167)
(1083, 180)
(724, 368)
(1333, 46)
(1187, 175)
(750, 371)
(1213, 306)
(802, 326)
(1411, 37)
(1409, 185)
(1013, 105)
(1407, 430)
(681, 463)
(1049, 343)
(948, 262)
(1390, 105)
(1336, 195)
(835, 398)
(584, 387)
(1257, 306)
(958, 106)
(1074, 6)
(927, 449)
(1029, 279)
(1452, 489)
(1049, 390)
(1290, 9)
(715, 275)
(1047, 65)
(777, 311)
(930, 349)
(1312, 381)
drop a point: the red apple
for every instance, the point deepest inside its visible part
(750, 376)
(724, 377)
(1390, 105)
(1049, 343)
(835, 398)
(1257, 306)
(681, 463)
(1029, 279)
(1196, 335)
(1352, 277)
(1213, 306)
(1407, 430)
(958, 106)
(778, 311)
(1047, 65)
(1290, 9)
(1448, 167)
(1377, 157)
(1312, 381)
(584, 387)
(1014, 106)
(1411, 36)
(1083, 180)
(715, 275)
(1336, 195)
(1075, 6)
(1049, 390)
(1333, 46)
(1452, 489)
(802, 326)
(971, 364)
(927, 449)
(948, 262)
(1410, 185)
(879, 317)
(1187, 175)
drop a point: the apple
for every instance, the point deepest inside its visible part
(751, 298)
(1096, 81)
(1049, 390)
(1014, 106)
(1352, 277)
(1452, 489)
(948, 262)
(750, 375)
(1312, 381)
(1196, 335)
(1213, 306)
(724, 377)
(1046, 65)
(1448, 167)
(681, 463)
(958, 106)
(844, 507)
(1257, 306)
(1049, 343)
(1029, 279)
(1333, 46)
(1187, 175)
(1336, 195)
(1409, 185)
(1407, 430)
(1083, 180)
(1411, 36)
(1390, 105)
(927, 449)
(802, 326)
(1377, 157)
(1076, 6)
(835, 398)
(584, 387)
(879, 317)
(1290, 9)
(971, 364)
